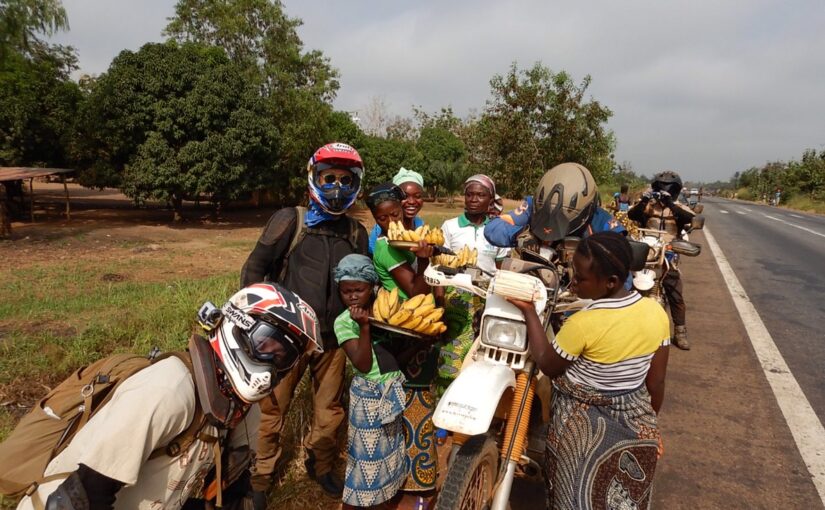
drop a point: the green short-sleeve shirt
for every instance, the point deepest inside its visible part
(386, 258)
(347, 329)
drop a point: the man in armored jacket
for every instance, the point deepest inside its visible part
(299, 248)
(658, 209)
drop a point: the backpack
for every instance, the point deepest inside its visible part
(55, 419)
(301, 230)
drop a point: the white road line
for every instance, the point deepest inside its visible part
(807, 430)
(797, 216)
(741, 212)
(723, 211)
(800, 227)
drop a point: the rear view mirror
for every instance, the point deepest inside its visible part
(639, 251)
(697, 223)
(698, 208)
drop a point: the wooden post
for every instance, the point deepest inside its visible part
(66, 189)
(31, 196)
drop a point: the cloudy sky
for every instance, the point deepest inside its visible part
(702, 87)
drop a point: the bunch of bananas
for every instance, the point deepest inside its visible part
(629, 225)
(464, 257)
(397, 232)
(418, 313)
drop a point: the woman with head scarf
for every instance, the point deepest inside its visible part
(396, 267)
(412, 184)
(374, 474)
(468, 229)
(419, 362)
(460, 306)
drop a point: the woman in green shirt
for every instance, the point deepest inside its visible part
(396, 267)
(405, 269)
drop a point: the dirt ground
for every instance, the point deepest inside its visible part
(726, 443)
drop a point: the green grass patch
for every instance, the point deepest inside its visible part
(57, 318)
(805, 203)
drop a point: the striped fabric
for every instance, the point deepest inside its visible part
(612, 341)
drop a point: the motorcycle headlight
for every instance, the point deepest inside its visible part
(504, 333)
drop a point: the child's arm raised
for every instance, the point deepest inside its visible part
(359, 351)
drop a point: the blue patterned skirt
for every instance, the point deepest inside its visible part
(376, 457)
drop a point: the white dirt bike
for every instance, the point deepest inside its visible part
(489, 406)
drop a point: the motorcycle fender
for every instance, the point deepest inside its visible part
(470, 401)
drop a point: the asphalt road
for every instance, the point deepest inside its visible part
(779, 257)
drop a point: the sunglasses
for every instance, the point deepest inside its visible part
(343, 180)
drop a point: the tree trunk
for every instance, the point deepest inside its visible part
(177, 208)
(5, 223)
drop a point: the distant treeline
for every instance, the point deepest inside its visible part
(232, 103)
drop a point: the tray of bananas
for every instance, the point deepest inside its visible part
(417, 317)
(400, 237)
(465, 257)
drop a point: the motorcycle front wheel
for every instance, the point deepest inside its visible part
(471, 476)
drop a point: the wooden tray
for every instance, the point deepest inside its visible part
(398, 330)
(403, 244)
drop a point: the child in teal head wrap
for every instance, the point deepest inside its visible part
(377, 396)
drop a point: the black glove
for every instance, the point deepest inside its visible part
(69, 495)
(665, 198)
(646, 196)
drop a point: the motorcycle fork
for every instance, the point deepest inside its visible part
(515, 440)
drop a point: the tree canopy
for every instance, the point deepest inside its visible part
(174, 121)
(537, 119)
(22, 20)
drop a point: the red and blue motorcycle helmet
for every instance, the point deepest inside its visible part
(337, 195)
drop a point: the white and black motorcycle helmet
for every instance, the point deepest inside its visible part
(263, 331)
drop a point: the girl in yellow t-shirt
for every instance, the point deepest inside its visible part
(609, 362)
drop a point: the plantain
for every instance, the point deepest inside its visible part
(411, 323)
(434, 315)
(433, 329)
(414, 302)
(424, 309)
(399, 317)
(376, 309)
(393, 303)
(385, 304)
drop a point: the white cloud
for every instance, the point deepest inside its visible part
(704, 87)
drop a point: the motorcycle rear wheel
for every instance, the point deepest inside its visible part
(471, 476)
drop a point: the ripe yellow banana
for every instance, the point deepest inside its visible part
(411, 323)
(434, 315)
(425, 309)
(433, 329)
(414, 302)
(399, 317)
(376, 308)
(385, 304)
(393, 304)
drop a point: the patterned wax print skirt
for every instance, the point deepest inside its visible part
(601, 448)
(419, 437)
(460, 307)
(376, 458)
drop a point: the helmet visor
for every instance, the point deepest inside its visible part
(269, 344)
